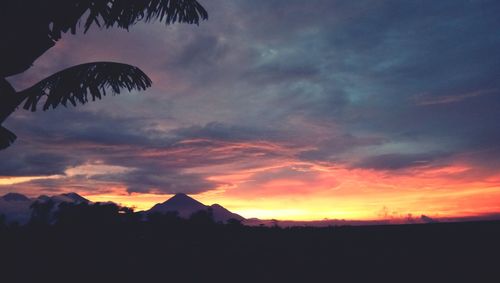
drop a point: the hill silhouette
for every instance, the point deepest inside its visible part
(15, 197)
(186, 206)
(16, 207)
(180, 203)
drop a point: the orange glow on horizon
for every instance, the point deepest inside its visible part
(4, 181)
(339, 193)
(284, 188)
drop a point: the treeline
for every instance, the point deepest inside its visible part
(108, 243)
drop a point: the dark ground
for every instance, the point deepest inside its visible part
(87, 245)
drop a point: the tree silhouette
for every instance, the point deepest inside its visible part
(31, 27)
(202, 218)
(96, 214)
(3, 222)
(41, 212)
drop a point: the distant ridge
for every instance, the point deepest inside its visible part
(67, 197)
(15, 197)
(180, 203)
(76, 197)
(185, 206)
(16, 206)
(220, 212)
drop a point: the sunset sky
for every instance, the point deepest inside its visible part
(300, 110)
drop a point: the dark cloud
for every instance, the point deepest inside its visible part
(56, 186)
(155, 160)
(35, 163)
(336, 148)
(163, 181)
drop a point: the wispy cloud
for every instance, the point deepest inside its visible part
(426, 99)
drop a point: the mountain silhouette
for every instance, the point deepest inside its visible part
(67, 197)
(75, 197)
(185, 206)
(180, 203)
(222, 214)
(15, 197)
(16, 207)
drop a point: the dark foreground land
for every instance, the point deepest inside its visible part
(108, 244)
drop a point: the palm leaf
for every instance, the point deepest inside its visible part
(78, 83)
(124, 13)
(6, 138)
(66, 15)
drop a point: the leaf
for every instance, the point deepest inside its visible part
(77, 83)
(6, 138)
(66, 15)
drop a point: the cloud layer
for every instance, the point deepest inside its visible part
(318, 94)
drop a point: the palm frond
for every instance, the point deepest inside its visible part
(76, 84)
(6, 138)
(66, 15)
(124, 13)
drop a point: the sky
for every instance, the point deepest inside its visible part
(298, 110)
